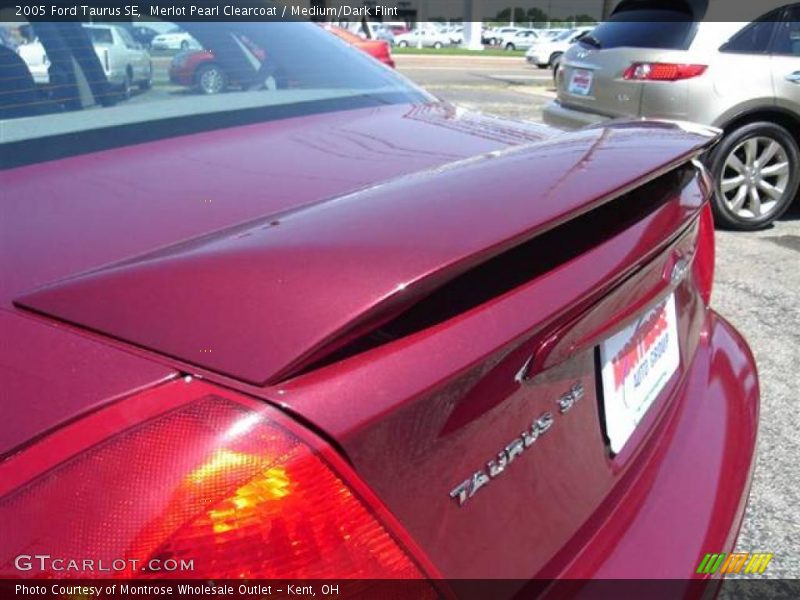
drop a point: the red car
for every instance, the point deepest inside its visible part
(201, 69)
(344, 330)
(198, 69)
(377, 49)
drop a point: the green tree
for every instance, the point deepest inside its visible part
(582, 18)
(537, 15)
(504, 16)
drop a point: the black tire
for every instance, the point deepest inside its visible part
(554, 58)
(556, 69)
(402, 44)
(126, 90)
(540, 66)
(147, 83)
(762, 132)
(438, 45)
(510, 47)
(211, 79)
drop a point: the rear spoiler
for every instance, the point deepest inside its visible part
(264, 301)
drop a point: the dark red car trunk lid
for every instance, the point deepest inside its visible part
(262, 300)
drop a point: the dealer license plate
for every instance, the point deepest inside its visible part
(636, 364)
(580, 82)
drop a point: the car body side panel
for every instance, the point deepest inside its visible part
(739, 83)
(51, 375)
(786, 81)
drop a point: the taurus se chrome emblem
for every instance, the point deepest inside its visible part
(568, 400)
(470, 486)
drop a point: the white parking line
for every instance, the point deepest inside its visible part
(543, 77)
(451, 68)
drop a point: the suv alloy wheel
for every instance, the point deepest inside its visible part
(756, 170)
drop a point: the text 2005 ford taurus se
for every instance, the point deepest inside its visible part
(330, 327)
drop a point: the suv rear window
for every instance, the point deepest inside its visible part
(664, 29)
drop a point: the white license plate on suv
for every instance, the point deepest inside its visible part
(636, 364)
(580, 82)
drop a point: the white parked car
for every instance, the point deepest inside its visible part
(125, 61)
(456, 35)
(547, 53)
(520, 40)
(551, 34)
(382, 32)
(177, 39)
(35, 57)
(428, 38)
(495, 36)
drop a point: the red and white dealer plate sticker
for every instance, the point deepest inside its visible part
(636, 364)
(580, 82)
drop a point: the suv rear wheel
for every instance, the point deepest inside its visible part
(756, 171)
(555, 58)
(556, 67)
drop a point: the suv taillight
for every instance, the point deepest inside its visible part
(657, 71)
(194, 474)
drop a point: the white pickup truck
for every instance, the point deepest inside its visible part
(125, 62)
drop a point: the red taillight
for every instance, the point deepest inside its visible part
(191, 473)
(704, 258)
(644, 71)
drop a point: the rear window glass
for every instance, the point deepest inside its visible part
(753, 39)
(787, 40)
(664, 29)
(64, 91)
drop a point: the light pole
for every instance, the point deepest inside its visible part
(472, 26)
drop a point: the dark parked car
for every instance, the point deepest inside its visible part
(342, 329)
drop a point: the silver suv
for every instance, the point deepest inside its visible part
(741, 77)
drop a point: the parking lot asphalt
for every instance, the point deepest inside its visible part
(757, 288)
(502, 86)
